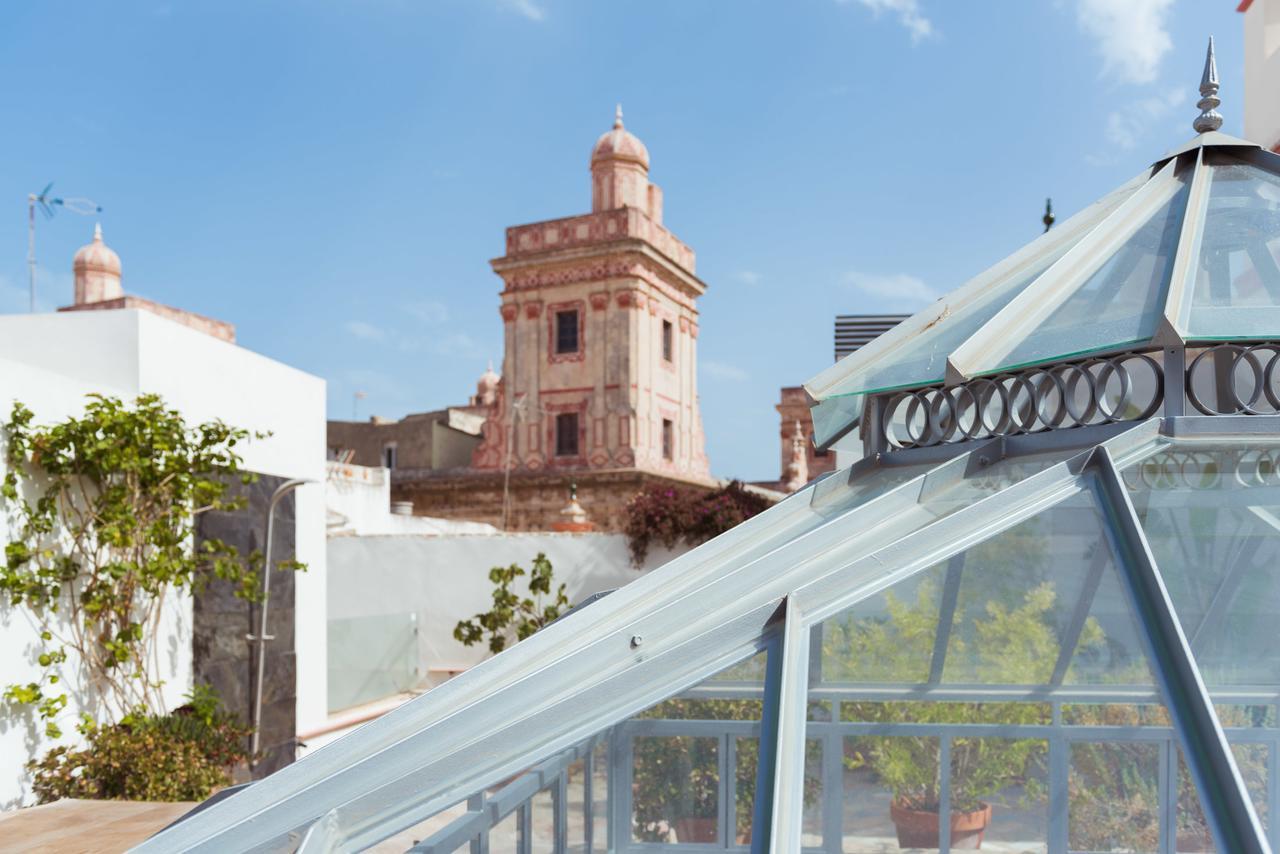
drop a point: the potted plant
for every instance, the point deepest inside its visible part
(675, 783)
(1009, 640)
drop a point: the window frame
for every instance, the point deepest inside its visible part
(554, 311)
(560, 419)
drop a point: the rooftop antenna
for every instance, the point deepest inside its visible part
(1209, 119)
(48, 206)
(1048, 218)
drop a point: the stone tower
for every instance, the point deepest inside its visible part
(601, 328)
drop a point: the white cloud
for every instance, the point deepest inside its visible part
(1131, 35)
(457, 344)
(896, 290)
(908, 13)
(747, 277)
(429, 312)
(1125, 128)
(527, 8)
(364, 331)
(724, 371)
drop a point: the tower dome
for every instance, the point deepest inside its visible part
(487, 387)
(97, 271)
(619, 143)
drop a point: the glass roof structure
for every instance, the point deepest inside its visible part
(1038, 615)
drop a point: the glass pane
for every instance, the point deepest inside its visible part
(676, 781)
(1114, 796)
(746, 757)
(921, 358)
(1212, 517)
(371, 658)
(664, 776)
(960, 667)
(1022, 804)
(1194, 834)
(1237, 279)
(833, 414)
(1119, 303)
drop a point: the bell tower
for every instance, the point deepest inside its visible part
(601, 327)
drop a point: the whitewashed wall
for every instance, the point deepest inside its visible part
(1262, 72)
(51, 361)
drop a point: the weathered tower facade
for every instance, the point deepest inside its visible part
(601, 330)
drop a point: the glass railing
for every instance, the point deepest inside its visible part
(371, 658)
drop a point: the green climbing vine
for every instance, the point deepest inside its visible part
(102, 511)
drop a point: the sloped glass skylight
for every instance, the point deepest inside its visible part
(1237, 280)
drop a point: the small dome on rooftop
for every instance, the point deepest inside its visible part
(620, 144)
(96, 256)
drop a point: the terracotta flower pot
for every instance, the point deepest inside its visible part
(696, 830)
(919, 828)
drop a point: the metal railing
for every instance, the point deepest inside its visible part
(826, 736)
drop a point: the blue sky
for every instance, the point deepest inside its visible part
(333, 176)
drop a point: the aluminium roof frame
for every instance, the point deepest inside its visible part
(780, 573)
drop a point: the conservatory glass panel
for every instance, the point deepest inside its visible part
(1237, 278)
(833, 414)
(1119, 303)
(1212, 517)
(682, 772)
(990, 664)
(1211, 514)
(923, 359)
(1252, 759)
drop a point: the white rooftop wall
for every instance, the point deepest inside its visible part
(51, 361)
(1262, 72)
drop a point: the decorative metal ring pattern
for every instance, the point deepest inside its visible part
(1235, 379)
(1221, 468)
(1127, 387)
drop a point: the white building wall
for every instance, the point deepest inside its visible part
(51, 361)
(1262, 73)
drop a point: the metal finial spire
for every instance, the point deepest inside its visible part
(1209, 119)
(1048, 218)
(617, 117)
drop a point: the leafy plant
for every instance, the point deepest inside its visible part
(105, 505)
(182, 756)
(677, 778)
(673, 514)
(1010, 639)
(512, 613)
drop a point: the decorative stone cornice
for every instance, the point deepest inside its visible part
(628, 265)
(617, 259)
(594, 228)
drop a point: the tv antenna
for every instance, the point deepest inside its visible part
(48, 206)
